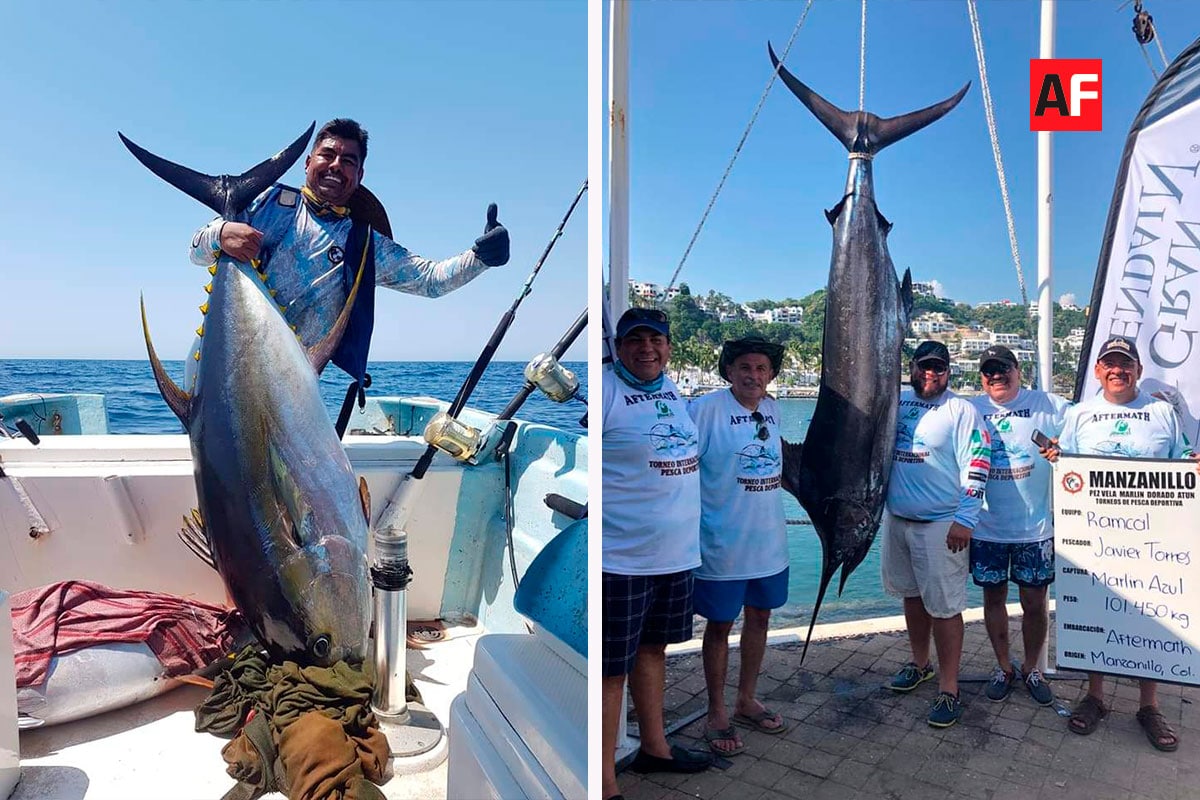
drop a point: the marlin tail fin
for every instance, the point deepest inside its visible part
(862, 131)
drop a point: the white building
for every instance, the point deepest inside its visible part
(645, 291)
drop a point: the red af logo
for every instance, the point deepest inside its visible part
(1064, 94)
(1072, 482)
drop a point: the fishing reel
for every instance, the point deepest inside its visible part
(454, 438)
(556, 381)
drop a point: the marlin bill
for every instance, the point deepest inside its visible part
(281, 516)
(840, 473)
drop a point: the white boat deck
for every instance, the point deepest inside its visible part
(151, 751)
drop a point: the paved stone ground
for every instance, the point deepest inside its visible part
(850, 737)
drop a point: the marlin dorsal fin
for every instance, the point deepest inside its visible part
(177, 399)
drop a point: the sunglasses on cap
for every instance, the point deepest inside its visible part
(762, 434)
(936, 367)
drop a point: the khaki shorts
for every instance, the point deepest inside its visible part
(917, 563)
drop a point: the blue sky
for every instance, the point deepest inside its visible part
(466, 104)
(698, 69)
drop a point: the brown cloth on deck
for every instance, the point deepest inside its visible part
(311, 733)
(64, 617)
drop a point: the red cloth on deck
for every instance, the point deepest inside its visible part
(64, 617)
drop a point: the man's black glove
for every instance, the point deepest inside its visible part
(492, 247)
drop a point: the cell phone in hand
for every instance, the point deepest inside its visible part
(1041, 440)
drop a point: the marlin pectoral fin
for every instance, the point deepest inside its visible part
(195, 536)
(322, 351)
(906, 301)
(884, 224)
(177, 399)
(226, 194)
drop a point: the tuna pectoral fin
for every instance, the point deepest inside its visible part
(322, 351)
(195, 536)
(178, 400)
(287, 491)
(226, 194)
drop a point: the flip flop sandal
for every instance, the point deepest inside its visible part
(714, 735)
(1086, 715)
(755, 721)
(1156, 728)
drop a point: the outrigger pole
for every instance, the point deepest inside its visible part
(411, 732)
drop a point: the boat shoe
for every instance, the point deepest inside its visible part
(1039, 690)
(1000, 684)
(910, 677)
(947, 708)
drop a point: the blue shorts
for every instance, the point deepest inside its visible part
(722, 601)
(643, 609)
(1029, 564)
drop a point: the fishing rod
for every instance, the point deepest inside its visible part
(444, 432)
(390, 571)
(545, 373)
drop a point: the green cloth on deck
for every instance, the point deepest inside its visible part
(311, 733)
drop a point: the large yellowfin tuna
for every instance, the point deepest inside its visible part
(285, 520)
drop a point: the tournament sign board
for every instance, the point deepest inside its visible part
(1127, 563)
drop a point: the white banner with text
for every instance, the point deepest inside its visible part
(1127, 563)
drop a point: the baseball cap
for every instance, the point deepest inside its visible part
(930, 350)
(651, 318)
(1119, 344)
(997, 352)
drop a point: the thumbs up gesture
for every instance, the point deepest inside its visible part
(492, 247)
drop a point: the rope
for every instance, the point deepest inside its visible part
(1149, 61)
(991, 123)
(737, 150)
(862, 59)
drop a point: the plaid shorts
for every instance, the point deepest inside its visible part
(643, 609)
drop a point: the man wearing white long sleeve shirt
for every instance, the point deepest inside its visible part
(939, 471)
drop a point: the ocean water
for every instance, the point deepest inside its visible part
(864, 596)
(135, 406)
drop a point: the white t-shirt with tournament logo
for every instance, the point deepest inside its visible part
(651, 474)
(941, 462)
(1146, 427)
(742, 530)
(1016, 508)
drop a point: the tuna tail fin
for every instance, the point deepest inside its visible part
(906, 302)
(323, 350)
(226, 194)
(177, 399)
(862, 131)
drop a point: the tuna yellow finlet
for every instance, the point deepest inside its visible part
(204, 308)
(200, 330)
(212, 270)
(208, 288)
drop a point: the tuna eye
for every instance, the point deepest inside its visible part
(321, 646)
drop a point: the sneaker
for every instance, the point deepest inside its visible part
(1000, 684)
(1039, 690)
(910, 677)
(946, 710)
